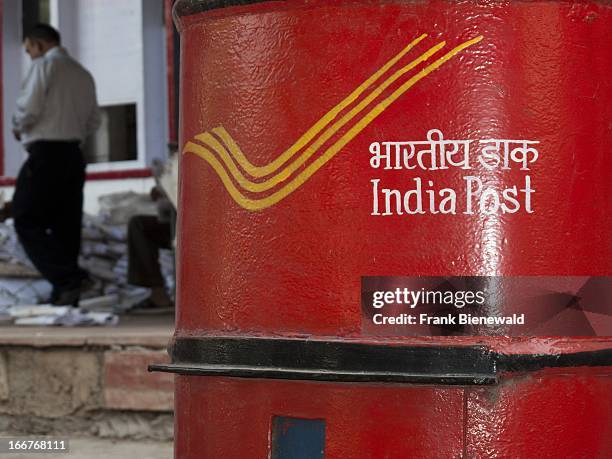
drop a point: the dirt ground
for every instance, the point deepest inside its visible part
(95, 448)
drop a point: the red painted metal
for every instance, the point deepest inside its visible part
(362, 421)
(266, 72)
(120, 174)
(552, 413)
(538, 415)
(103, 175)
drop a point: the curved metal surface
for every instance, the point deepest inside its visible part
(187, 7)
(276, 224)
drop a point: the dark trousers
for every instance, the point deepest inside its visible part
(48, 209)
(146, 235)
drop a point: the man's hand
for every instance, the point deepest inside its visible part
(156, 193)
(17, 135)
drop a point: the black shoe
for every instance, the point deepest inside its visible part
(54, 296)
(71, 295)
(86, 284)
(68, 298)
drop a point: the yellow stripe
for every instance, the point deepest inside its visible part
(285, 173)
(262, 171)
(258, 204)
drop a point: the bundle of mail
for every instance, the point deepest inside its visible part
(103, 256)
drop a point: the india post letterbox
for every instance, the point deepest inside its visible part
(394, 229)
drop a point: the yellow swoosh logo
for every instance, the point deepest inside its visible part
(231, 155)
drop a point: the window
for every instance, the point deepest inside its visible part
(33, 12)
(115, 140)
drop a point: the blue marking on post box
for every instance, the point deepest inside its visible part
(294, 438)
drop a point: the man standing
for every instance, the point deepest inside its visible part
(56, 111)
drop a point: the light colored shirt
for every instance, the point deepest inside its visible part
(57, 100)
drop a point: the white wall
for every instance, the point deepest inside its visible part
(109, 44)
(121, 41)
(12, 64)
(154, 109)
(96, 188)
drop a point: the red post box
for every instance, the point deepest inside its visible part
(326, 143)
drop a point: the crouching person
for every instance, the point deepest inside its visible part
(147, 234)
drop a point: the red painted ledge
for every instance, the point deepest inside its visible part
(122, 174)
(106, 175)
